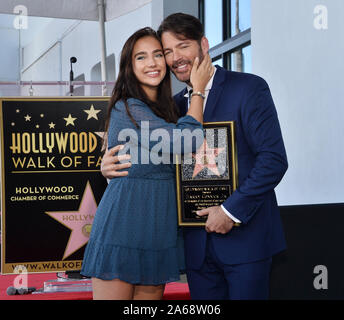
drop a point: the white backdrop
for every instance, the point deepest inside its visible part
(304, 68)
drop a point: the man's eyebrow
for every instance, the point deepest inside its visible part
(182, 42)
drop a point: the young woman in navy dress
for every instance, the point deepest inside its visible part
(135, 247)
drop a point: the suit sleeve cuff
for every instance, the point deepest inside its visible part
(229, 215)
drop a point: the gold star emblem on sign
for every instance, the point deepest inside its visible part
(92, 113)
(206, 158)
(51, 125)
(69, 120)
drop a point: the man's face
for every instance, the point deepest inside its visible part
(180, 54)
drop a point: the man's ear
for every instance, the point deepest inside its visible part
(204, 45)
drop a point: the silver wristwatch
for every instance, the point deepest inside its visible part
(198, 93)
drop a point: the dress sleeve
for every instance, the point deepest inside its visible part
(157, 135)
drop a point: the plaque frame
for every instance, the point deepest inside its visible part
(232, 162)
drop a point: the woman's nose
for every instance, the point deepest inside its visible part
(151, 62)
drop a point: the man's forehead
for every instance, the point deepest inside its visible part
(179, 36)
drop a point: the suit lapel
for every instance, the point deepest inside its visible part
(182, 102)
(214, 93)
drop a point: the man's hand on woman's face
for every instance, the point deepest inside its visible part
(111, 163)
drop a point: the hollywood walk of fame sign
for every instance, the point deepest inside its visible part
(51, 180)
(207, 177)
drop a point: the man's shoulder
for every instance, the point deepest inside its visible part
(240, 78)
(231, 79)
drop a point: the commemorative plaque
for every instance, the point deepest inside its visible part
(207, 177)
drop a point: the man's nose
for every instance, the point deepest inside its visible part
(176, 56)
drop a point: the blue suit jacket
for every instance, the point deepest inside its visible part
(262, 162)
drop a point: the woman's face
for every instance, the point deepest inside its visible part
(149, 64)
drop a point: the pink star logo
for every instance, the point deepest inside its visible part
(205, 158)
(79, 222)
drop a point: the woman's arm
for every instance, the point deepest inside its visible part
(200, 76)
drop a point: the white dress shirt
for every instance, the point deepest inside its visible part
(206, 93)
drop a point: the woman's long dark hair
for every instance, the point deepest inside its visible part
(127, 86)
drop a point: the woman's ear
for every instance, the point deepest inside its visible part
(204, 45)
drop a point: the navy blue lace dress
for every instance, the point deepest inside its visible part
(135, 236)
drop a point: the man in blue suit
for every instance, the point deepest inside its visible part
(231, 257)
